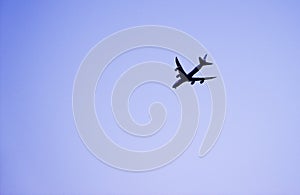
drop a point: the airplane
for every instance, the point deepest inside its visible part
(189, 77)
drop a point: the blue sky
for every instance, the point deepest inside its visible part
(255, 44)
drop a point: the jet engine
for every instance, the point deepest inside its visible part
(193, 82)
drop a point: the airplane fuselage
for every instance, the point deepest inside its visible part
(194, 71)
(179, 82)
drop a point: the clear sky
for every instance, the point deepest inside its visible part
(256, 45)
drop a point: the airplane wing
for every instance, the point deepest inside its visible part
(182, 73)
(202, 78)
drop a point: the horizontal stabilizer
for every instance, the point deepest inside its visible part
(203, 61)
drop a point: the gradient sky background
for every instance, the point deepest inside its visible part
(256, 45)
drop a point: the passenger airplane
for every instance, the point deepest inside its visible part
(189, 77)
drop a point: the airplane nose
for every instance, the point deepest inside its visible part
(175, 85)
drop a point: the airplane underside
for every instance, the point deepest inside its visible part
(184, 77)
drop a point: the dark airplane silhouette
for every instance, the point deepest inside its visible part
(189, 77)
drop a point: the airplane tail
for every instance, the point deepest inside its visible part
(203, 61)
